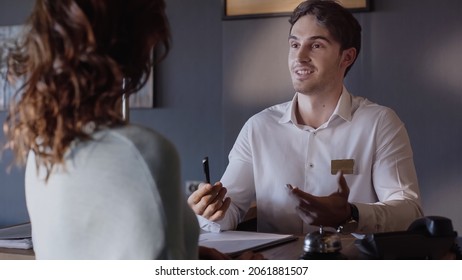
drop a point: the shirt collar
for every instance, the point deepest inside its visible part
(343, 108)
(289, 114)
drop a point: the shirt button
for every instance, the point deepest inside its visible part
(311, 165)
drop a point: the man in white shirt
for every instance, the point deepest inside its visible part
(325, 158)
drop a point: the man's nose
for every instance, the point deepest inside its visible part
(303, 54)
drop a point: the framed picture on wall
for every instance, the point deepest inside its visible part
(237, 9)
(9, 36)
(144, 98)
(8, 39)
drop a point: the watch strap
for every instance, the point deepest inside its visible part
(352, 222)
(354, 212)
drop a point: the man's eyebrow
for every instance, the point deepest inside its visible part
(324, 38)
(312, 38)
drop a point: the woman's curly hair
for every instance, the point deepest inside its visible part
(72, 60)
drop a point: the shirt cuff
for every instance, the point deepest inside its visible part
(207, 225)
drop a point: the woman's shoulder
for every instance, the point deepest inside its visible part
(144, 138)
(150, 144)
(134, 131)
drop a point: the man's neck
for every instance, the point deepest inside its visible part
(314, 110)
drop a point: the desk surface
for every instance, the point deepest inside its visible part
(291, 250)
(16, 254)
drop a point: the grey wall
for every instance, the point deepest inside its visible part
(221, 72)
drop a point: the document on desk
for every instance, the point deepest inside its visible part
(236, 242)
(16, 237)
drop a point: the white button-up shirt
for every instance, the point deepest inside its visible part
(272, 150)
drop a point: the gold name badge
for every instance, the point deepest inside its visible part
(344, 165)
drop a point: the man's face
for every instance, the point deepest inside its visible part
(316, 63)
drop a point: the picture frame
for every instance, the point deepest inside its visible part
(8, 39)
(144, 98)
(243, 9)
(9, 36)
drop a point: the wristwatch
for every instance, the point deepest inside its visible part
(352, 223)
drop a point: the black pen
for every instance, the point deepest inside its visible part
(205, 164)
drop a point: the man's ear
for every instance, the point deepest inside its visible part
(349, 56)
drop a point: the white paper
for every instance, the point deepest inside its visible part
(25, 243)
(16, 237)
(234, 242)
(16, 232)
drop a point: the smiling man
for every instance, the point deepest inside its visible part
(326, 157)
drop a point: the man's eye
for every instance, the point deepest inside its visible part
(294, 45)
(316, 46)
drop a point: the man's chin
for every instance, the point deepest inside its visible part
(303, 90)
(303, 86)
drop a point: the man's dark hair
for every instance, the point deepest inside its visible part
(341, 24)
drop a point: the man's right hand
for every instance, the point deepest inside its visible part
(209, 201)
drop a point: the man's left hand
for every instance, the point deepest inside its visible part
(331, 210)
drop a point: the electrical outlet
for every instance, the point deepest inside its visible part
(191, 186)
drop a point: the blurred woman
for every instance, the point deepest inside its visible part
(96, 186)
